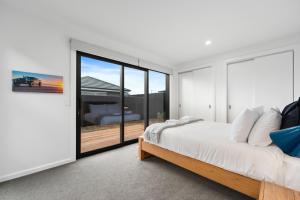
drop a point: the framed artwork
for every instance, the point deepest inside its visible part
(34, 82)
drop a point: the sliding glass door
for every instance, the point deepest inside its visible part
(115, 101)
(100, 104)
(135, 102)
(158, 97)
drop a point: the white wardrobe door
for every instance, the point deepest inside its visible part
(266, 80)
(241, 90)
(274, 80)
(204, 94)
(186, 94)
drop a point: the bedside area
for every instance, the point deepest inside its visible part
(270, 191)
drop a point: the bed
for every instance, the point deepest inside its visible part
(105, 114)
(204, 148)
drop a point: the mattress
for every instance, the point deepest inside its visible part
(290, 176)
(111, 119)
(209, 142)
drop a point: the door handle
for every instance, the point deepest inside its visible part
(209, 106)
(229, 107)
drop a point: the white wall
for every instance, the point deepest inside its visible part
(219, 63)
(37, 130)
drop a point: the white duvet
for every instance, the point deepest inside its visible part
(209, 142)
(290, 173)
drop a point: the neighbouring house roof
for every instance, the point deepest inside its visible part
(93, 84)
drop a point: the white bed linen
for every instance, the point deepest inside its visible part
(291, 172)
(209, 142)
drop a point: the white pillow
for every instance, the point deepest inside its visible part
(243, 123)
(268, 122)
(259, 110)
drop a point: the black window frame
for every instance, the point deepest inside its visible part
(122, 143)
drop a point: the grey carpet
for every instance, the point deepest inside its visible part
(116, 174)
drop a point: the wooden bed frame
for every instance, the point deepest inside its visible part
(243, 184)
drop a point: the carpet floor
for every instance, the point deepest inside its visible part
(114, 175)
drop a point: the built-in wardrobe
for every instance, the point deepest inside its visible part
(264, 80)
(267, 79)
(197, 93)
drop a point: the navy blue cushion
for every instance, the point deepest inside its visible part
(288, 140)
(296, 151)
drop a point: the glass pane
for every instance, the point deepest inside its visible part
(157, 97)
(100, 104)
(134, 103)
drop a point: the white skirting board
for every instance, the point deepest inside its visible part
(35, 169)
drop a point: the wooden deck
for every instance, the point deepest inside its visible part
(96, 137)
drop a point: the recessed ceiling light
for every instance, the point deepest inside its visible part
(207, 42)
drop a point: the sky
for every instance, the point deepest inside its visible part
(134, 79)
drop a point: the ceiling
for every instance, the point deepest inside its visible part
(176, 30)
